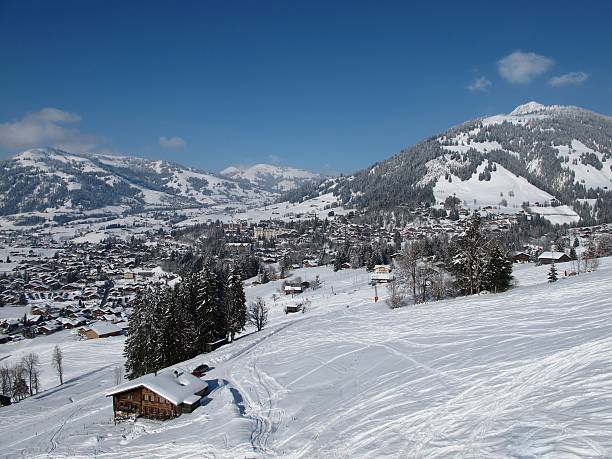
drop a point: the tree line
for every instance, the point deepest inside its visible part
(22, 379)
(172, 324)
(476, 262)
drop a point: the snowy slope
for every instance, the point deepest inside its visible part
(270, 177)
(503, 185)
(319, 207)
(527, 373)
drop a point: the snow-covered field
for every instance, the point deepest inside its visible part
(280, 211)
(527, 373)
(557, 215)
(504, 185)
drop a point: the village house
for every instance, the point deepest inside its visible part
(547, 258)
(521, 257)
(100, 330)
(158, 395)
(292, 289)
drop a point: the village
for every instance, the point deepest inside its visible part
(48, 285)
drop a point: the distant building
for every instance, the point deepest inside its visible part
(547, 258)
(266, 233)
(101, 330)
(158, 395)
(521, 257)
(293, 289)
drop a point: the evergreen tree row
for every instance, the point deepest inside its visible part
(172, 324)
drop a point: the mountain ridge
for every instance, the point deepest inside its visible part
(562, 152)
(270, 177)
(44, 179)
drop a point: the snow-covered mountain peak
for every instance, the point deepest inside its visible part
(271, 177)
(528, 108)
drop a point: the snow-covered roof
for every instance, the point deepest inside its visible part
(551, 255)
(104, 328)
(175, 384)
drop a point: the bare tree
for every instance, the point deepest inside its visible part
(316, 283)
(440, 285)
(396, 299)
(118, 374)
(408, 268)
(31, 367)
(57, 360)
(424, 274)
(604, 245)
(258, 314)
(591, 263)
(20, 389)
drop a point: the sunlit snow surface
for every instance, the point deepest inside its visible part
(523, 374)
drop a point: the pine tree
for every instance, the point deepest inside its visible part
(470, 256)
(187, 301)
(169, 348)
(498, 270)
(236, 303)
(209, 316)
(137, 345)
(552, 273)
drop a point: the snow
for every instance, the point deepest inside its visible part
(102, 328)
(551, 255)
(490, 192)
(284, 178)
(527, 373)
(174, 384)
(528, 108)
(280, 211)
(586, 174)
(527, 112)
(558, 215)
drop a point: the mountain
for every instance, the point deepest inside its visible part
(533, 154)
(269, 177)
(51, 179)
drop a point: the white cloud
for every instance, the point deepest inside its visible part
(172, 142)
(568, 78)
(520, 67)
(480, 84)
(275, 158)
(45, 128)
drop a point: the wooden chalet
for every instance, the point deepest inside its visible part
(521, 257)
(547, 258)
(100, 330)
(158, 395)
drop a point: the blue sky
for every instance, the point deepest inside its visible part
(329, 86)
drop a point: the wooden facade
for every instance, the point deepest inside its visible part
(144, 402)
